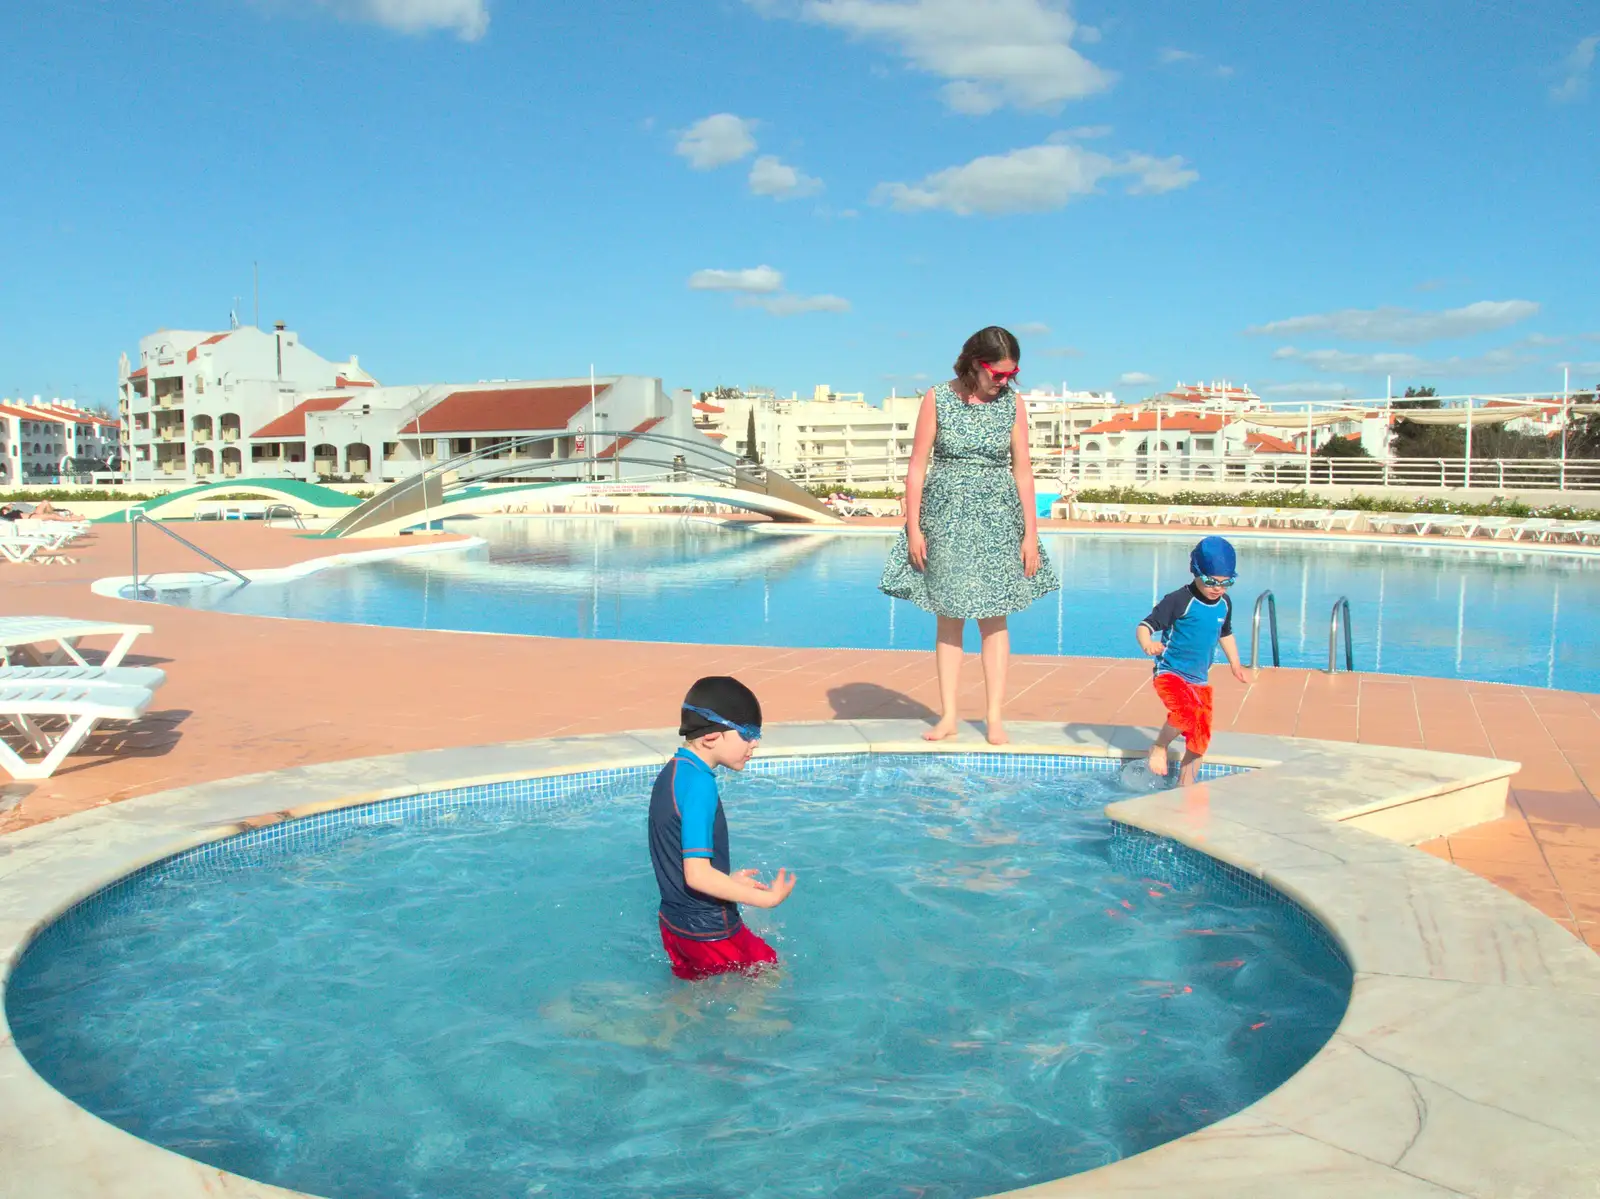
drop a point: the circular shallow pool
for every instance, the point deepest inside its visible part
(984, 984)
(1447, 611)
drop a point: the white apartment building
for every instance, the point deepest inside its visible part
(844, 439)
(190, 403)
(384, 434)
(53, 441)
(251, 404)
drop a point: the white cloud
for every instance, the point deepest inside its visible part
(758, 279)
(1577, 66)
(1033, 329)
(1081, 133)
(1308, 389)
(1405, 326)
(717, 140)
(771, 177)
(1169, 55)
(762, 287)
(787, 305)
(1393, 363)
(995, 52)
(467, 19)
(1036, 179)
(1135, 378)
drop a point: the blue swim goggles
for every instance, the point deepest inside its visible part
(1208, 581)
(750, 732)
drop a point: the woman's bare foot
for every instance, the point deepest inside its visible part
(1157, 761)
(995, 732)
(942, 731)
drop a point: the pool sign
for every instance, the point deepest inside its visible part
(577, 442)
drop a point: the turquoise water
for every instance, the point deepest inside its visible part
(476, 1004)
(1448, 612)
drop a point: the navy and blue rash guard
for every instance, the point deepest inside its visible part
(686, 821)
(1189, 627)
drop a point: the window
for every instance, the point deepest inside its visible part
(1205, 443)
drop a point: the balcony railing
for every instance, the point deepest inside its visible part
(201, 436)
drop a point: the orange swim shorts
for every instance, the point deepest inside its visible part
(1188, 710)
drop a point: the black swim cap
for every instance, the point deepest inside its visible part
(725, 696)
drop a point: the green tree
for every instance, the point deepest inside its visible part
(751, 450)
(1342, 447)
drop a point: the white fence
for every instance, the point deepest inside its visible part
(1499, 474)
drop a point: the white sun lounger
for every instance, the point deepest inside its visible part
(1217, 517)
(1394, 522)
(52, 532)
(1467, 526)
(148, 677)
(79, 703)
(19, 634)
(1493, 526)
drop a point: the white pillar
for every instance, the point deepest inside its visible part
(1466, 470)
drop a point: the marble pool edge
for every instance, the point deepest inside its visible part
(1464, 1065)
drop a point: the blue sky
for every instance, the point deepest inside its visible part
(788, 192)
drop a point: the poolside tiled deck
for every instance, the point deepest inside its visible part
(248, 694)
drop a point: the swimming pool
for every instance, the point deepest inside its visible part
(463, 993)
(1499, 615)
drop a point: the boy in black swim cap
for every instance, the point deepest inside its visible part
(701, 930)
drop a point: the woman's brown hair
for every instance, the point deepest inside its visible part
(991, 345)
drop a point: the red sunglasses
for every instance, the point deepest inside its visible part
(1001, 376)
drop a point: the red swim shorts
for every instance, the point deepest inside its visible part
(1188, 710)
(701, 959)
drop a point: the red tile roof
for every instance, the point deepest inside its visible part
(140, 373)
(292, 424)
(1266, 442)
(702, 406)
(622, 443)
(505, 410)
(194, 351)
(1145, 422)
(341, 381)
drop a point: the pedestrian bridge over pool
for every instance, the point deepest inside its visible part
(691, 471)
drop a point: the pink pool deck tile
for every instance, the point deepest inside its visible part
(247, 694)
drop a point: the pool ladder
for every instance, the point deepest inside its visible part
(1266, 597)
(1338, 620)
(1341, 607)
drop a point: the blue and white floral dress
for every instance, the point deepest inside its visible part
(971, 518)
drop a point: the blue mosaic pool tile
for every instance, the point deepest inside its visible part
(1147, 855)
(518, 799)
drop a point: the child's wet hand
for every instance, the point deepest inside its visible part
(752, 876)
(1240, 673)
(782, 883)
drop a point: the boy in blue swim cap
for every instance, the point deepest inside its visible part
(1182, 634)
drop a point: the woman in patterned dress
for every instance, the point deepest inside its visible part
(970, 549)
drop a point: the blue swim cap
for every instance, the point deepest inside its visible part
(1214, 557)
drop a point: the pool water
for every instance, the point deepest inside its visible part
(981, 987)
(1512, 616)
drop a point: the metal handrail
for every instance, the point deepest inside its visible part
(137, 517)
(288, 511)
(1342, 604)
(1272, 627)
